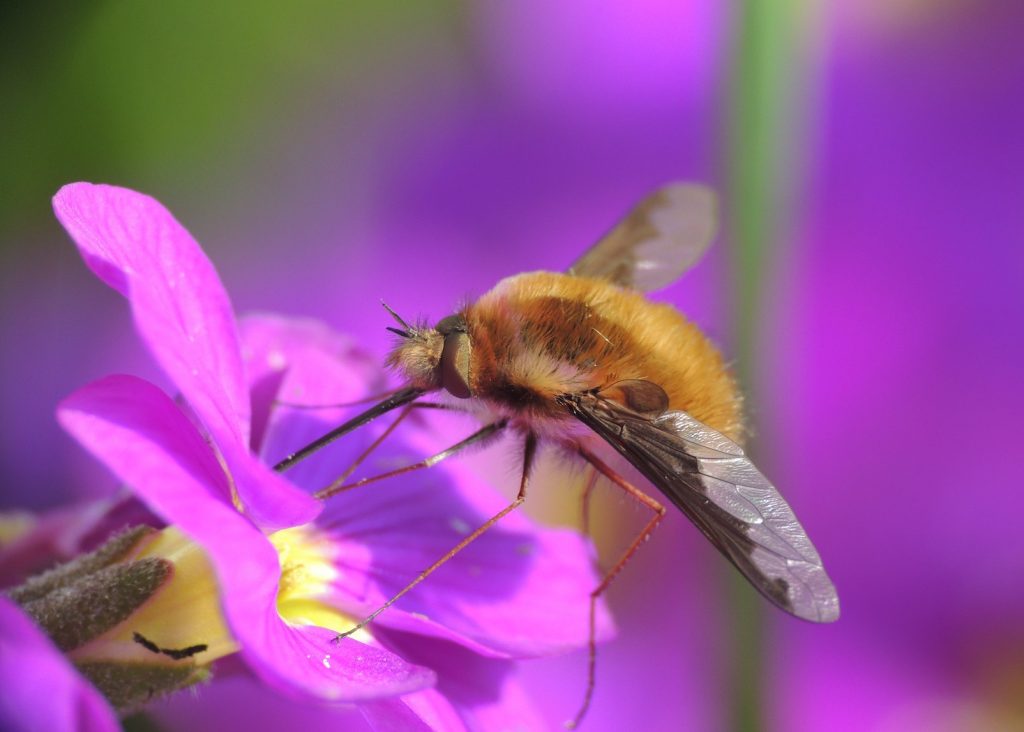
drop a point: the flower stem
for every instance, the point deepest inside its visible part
(764, 116)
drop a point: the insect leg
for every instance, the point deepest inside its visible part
(529, 453)
(659, 514)
(398, 399)
(588, 491)
(383, 436)
(480, 435)
(337, 405)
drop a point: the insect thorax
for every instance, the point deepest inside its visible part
(541, 334)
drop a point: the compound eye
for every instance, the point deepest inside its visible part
(455, 363)
(451, 324)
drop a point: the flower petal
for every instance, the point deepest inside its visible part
(423, 711)
(237, 700)
(185, 318)
(182, 311)
(267, 499)
(41, 689)
(518, 590)
(149, 443)
(484, 692)
(324, 368)
(343, 671)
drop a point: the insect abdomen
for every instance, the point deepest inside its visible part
(542, 334)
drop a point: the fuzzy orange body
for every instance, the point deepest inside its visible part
(584, 362)
(541, 334)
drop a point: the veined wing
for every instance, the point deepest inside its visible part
(658, 240)
(710, 479)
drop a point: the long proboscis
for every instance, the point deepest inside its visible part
(399, 398)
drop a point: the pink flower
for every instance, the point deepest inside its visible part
(64, 701)
(290, 572)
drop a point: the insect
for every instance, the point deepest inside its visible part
(583, 360)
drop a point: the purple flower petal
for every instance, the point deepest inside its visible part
(184, 315)
(41, 689)
(520, 589)
(346, 671)
(149, 443)
(239, 701)
(182, 311)
(517, 590)
(423, 711)
(323, 368)
(484, 692)
(268, 500)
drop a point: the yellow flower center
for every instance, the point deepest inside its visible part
(183, 622)
(307, 570)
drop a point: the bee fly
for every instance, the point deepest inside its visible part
(582, 360)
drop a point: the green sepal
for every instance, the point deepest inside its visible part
(130, 685)
(74, 614)
(114, 550)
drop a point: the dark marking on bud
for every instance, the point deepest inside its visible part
(88, 607)
(180, 653)
(145, 642)
(176, 653)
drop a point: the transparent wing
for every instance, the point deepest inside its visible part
(710, 479)
(659, 239)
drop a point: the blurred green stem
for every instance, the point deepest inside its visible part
(764, 118)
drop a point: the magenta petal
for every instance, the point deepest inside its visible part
(272, 344)
(180, 306)
(519, 589)
(343, 671)
(148, 442)
(268, 500)
(318, 378)
(322, 368)
(142, 436)
(184, 315)
(484, 692)
(39, 688)
(425, 710)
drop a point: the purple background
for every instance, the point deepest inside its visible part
(450, 148)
